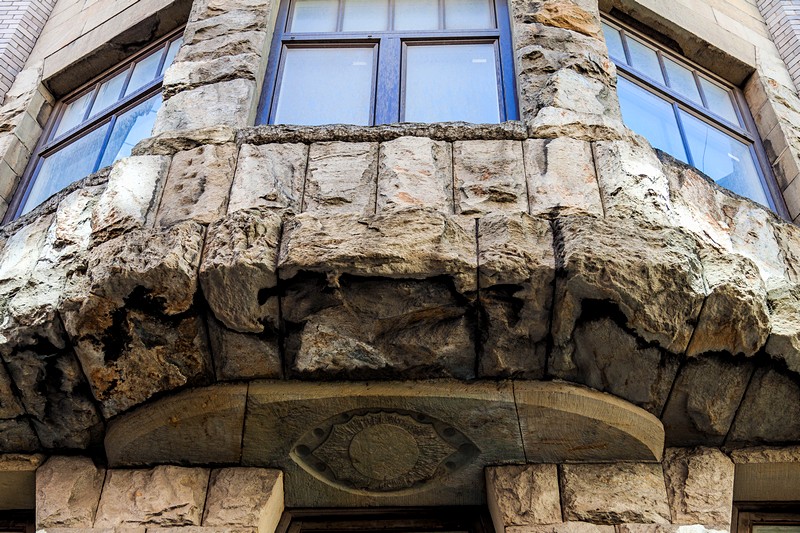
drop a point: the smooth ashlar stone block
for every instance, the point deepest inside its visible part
(614, 493)
(244, 497)
(699, 486)
(18, 480)
(766, 474)
(67, 492)
(561, 422)
(388, 443)
(561, 176)
(516, 271)
(489, 176)
(269, 175)
(521, 496)
(704, 399)
(198, 185)
(341, 177)
(199, 426)
(415, 172)
(160, 496)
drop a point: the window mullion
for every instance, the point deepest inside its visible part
(103, 148)
(684, 139)
(387, 86)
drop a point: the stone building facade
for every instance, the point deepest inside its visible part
(544, 317)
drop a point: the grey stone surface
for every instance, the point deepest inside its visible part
(704, 400)
(67, 492)
(699, 486)
(415, 172)
(521, 496)
(561, 177)
(200, 426)
(238, 269)
(489, 176)
(341, 177)
(161, 496)
(516, 271)
(381, 443)
(198, 185)
(614, 493)
(228, 103)
(243, 355)
(132, 316)
(758, 421)
(244, 497)
(269, 175)
(561, 422)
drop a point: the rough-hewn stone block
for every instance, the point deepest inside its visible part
(229, 103)
(244, 497)
(269, 175)
(67, 492)
(521, 496)
(415, 172)
(699, 486)
(489, 176)
(341, 177)
(758, 421)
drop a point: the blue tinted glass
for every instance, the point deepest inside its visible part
(614, 43)
(719, 100)
(71, 163)
(131, 127)
(650, 116)
(73, 114)
(451, 82)
(145, 71)
(645, 59)
(325, 86)
(727, 160)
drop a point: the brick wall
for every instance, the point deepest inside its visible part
(21, 22)
(783, 19)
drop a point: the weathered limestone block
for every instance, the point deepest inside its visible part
(229, 23)
(243, 355)
(187, 75)
(699, 486)
(204, 9)
(237, 272)
(228, 103)
(735, 315)
(759, 419)
(18, 480)
(360, 328)
(161, 496)
(704, 400)
(415, 172)
(553, 122)
(171, 142)
(131, 196)
(652, 274)
(69, 235)
(67, 492)
(18, 435)
(405, 244)
(563, 423)
(269, 175)
(561, 177)
(753, 231)
(198, 185)
(21, 253)
(610, 359)
(632, 181)
(614, 493)
(244, 497)
(132, 316)
(201, 529)
(784, 337)
(564, 527)
(489, 176)
(666, 528)
(198, 426)
(341, 177)
(516, 273)
(239, 43)
(523, 496)
(581, 16)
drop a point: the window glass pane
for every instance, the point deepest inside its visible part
(69, 164)
(650, 116)
(728, 161)
(109, 92)
(73, 114)
(645, 60)
(614, 43)
(144, 72)
(416, 15)
(719, 100)
(131, 127)
(467, 14)
(325, 86)
(451, 82)
(682, 80)
(314, 16)
(365, 15)
(171, 52)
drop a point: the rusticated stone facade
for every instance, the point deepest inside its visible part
(544, 316)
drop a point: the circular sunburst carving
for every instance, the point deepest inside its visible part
(382, 451)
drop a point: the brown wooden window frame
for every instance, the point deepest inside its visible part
(749, 514)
